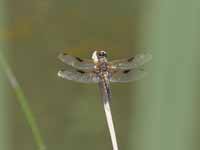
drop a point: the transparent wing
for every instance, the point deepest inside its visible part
(76, 62)
(127, 75)
(132, 62)
(78, 75)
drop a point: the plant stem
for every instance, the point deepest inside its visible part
(23, 103)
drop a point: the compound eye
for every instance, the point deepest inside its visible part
(102, 54)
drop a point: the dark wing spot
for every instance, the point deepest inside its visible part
(65, 54)
(130, 59)
(77, 58)
(126, 71)
(81, 71)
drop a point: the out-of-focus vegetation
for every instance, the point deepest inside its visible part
(23, 102)
(159, 112)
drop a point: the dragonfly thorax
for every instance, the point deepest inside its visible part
(103, 67)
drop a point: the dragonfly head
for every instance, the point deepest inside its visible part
(99, 56)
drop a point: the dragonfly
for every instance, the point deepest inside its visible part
(103, 72)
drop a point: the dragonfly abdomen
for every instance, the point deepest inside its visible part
(105, 85)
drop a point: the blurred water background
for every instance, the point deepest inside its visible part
(159, 112)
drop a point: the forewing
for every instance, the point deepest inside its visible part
(78, 75)
(132, 62)
(76, 62)
(129, 75)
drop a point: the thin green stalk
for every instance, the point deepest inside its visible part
(23, 103)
